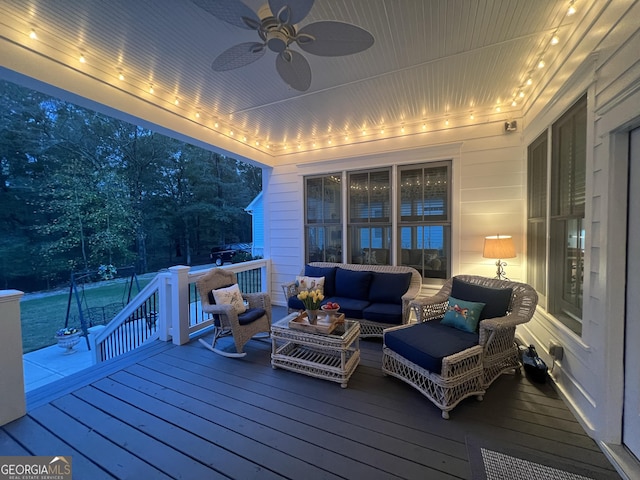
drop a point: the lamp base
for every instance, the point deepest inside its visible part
(500, 275)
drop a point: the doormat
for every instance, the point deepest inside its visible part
(492, 460)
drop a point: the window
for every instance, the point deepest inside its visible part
(323, 218)
(370, 217)
(424, 218)
(566, 182)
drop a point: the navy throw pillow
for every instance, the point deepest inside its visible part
(329, 274)
(389, 287)
(352, 284)
(496, 300)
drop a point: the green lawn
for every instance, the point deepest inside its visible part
(41, 314)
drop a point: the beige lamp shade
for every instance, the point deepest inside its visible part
(499, 246)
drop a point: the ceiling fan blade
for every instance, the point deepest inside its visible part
(238, 56)
(296, 11)
(231, 11)
(333, 39)
(294, 70)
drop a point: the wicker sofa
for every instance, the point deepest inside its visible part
(446, 364)
(378, 296)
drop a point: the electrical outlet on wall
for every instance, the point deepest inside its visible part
(556, 351)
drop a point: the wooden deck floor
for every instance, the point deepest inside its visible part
(184, 412)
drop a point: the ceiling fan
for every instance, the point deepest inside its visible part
(276, 27)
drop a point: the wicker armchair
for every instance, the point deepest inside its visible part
(243, 327)
(470, 371)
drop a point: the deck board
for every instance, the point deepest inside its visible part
(171, 411)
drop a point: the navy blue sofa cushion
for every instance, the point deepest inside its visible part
(427, 343)
(352, 284)
(389, 287)
(329, 274)
(383, 313)
(496, 300)
(351, 307)
(295, 303)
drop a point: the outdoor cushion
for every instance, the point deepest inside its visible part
(351, 307)
(463, 315)
(310, 283)
(329, 274)
(212, 299)
(295, 303)
(230, 296)
(496, 300)
(389, 287)
(427, 343)
(383, 313)
(352, 284)
(251, 315)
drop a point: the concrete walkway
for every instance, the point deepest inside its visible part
(52, 363)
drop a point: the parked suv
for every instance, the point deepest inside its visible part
(222, 254)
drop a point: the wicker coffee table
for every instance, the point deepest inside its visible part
(332, 356)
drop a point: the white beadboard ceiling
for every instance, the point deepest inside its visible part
(432, 60)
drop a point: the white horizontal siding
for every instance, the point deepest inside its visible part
(590, 376)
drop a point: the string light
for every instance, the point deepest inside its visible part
(120, 76)
(151, 88)
(424, 126)
(555, 40)
(32, 35)
(571, 10)
(541, 64)
(514, 104)
(82, 59)
(176, 102)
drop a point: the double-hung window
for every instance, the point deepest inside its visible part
(561, 214)
(370, 217)
(424, 219)
(323, 218)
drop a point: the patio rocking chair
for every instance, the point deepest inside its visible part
(449, 363)
(227, 321)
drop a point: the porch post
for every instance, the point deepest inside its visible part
(180, 304)
(13, 403)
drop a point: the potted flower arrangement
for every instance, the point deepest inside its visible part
(107, 272)
(311, 300)
(68, 337)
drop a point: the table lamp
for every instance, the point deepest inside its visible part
(499, 246)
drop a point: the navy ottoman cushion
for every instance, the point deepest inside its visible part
(496, 300)
(352, 284)
(389, 287)
(329, 274)
(383, 313)
(427, 343)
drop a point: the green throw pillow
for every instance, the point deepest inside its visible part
(463, 315)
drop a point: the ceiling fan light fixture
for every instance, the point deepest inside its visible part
(275, 24)
(277, 41)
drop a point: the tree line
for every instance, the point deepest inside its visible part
(79, 189)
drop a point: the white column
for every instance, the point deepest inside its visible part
(13, 404)
(180, 304)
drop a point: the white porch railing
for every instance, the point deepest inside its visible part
(168, 308)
